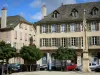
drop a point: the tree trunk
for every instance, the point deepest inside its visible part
(30, 68)
(7, 65)
(61, 65)
(2, 67)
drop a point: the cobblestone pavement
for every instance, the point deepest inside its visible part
(56, 73)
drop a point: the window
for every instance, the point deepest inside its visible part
(94, 40)
(73, 41)
(82, 42)
(20, 35)
(15, 34)
(62, 27)
(63, 42)
(93, 28)
(44, 42)
(81, 27)
(53, 41)
(74, 13)
(14, 45)
(43, 28)
(25, 36)
(72, 27)
(94, 11)
(55, 14)
(25, 27)
(53, 28)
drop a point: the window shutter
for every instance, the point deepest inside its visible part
(66, 42)
(68, 27)
(76, 41)
(40, 42)
(69, 42)
(58, 42)
(89, 26)
(98, 40)
(97, 26)
(89, 41)
(79, 42)
(49, 28)
(49, 42)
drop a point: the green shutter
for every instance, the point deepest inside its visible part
(89, 41)
(66, 42)
(79, 42)
(69, 42)
(98, 40)
(40, 42)
(97, 26)
(68, 27)
(88, 26)
(46, 26)
(49, 28)
(49, 41)
(76, 41)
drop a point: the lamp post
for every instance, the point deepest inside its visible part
(85, 46)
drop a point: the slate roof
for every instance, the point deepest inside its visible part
(65, 11)
(13, 21)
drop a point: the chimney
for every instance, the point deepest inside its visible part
(3, 17)
(44, 11)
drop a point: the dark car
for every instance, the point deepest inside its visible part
(15, 67)
(5, 69)
(97, 69)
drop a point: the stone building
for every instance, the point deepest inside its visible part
(17, 31)
(64, 27)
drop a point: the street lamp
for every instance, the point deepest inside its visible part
(85, 46)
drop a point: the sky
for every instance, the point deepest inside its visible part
(31, 9)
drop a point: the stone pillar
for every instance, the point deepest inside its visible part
(49, 62)
(79, 59)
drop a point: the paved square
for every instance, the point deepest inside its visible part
(56, 73)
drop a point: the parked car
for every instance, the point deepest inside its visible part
(5, 69)
(97, 69)
(70, 67)
(15, 67)
(91, 65)
(43, 67)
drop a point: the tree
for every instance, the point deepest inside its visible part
(64, 54)
(6, 52)
(30, 53)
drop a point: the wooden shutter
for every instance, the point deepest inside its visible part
(49, 28)
(89, 41)
(66, 42)
(40, 42)
(76, 41)
(46, 28)
(49, 41)
(68, 27)
(88, 26)
(58, 42)
(69, 41)
(79, 42)
(97, 26)
(98, 40)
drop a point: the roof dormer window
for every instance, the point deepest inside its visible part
(55, 14)
(74, 13)
(94, 11)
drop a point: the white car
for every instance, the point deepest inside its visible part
(93, 66)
